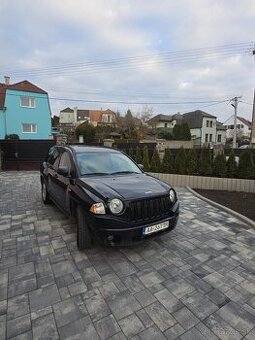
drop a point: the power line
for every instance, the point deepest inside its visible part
(139, 61)
(241, 101)
(127, 102)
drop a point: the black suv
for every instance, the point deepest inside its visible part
(113, 199)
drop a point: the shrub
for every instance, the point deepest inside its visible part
(192, 163)
(246, 165)
(87, 131)
(131, 153)
(146, 163)
(167, 165)
(220, 166)
(155, 162)
(231, 165)
(13, 136)
(205, 166)
(138, 155)
(180, 162)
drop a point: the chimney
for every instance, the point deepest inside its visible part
(7, 80)
(75, 114)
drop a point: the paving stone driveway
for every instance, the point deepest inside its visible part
(195, 283)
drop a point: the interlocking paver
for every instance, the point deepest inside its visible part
(18, 326)
(107, 327)
(131, 325)
(45, 328)
(196, 282)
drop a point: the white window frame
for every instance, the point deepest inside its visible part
(31, 129)
(31, 102)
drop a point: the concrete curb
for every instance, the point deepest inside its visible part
(241, 217)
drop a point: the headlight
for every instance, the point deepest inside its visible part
(97, 208)
(172, 195)
(116, 206)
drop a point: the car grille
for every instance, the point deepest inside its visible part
(149, 209)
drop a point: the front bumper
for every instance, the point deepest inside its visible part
(111, 230)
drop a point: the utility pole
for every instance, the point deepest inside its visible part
(234, 104)
(252, 142)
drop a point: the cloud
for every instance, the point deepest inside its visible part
(44, 34)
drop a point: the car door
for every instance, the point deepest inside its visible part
(52, 166)
(62, 181)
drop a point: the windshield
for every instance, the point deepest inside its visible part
(105, 163)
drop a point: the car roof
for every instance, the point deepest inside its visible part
(86, 148)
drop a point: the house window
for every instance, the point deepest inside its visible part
(109, 119)
(219, 138)
(206, 137)
(210, 137)
(29, 128)
(211, 123)
(27, 102)
(165, 125)
(207, 123)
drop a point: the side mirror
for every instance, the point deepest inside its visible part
(141, 166)
(63, 170)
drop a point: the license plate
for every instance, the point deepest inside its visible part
(155, 228)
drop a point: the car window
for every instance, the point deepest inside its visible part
(65, 160)
(105, 163)
(52, 155)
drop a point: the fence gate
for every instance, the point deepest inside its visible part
(24, 154)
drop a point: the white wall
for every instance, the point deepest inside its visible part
(242, 131)
(66, 117)
(160, 125)
(211, 183)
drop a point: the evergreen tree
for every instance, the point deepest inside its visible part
(155, 162)
(181, 132)
(246, 165)
(220, 166)
(167, 165)
(231, 165)
(177, 132)
(186, 132)
(192, 163)
(205, 167)
(146, 163)
(180, 162)
(131, 153)
(138, 155)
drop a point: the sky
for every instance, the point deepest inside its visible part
(174, 56)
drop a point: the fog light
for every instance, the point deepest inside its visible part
(110, 238)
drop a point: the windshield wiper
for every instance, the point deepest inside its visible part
(124, 172)
(95, 174)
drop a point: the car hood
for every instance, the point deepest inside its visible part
(132, 186)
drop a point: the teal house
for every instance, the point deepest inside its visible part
(24, 111)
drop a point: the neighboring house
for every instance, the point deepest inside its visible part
(73, 116)
(221, 133)
(243, 127)
(165, 121)
(95, 117)
(204, 128)
(100, 117)
(24, 110)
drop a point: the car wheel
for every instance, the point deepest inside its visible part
(45, 194)
(84, 239)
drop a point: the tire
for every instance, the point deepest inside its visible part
(84, 238)
(45, 195)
